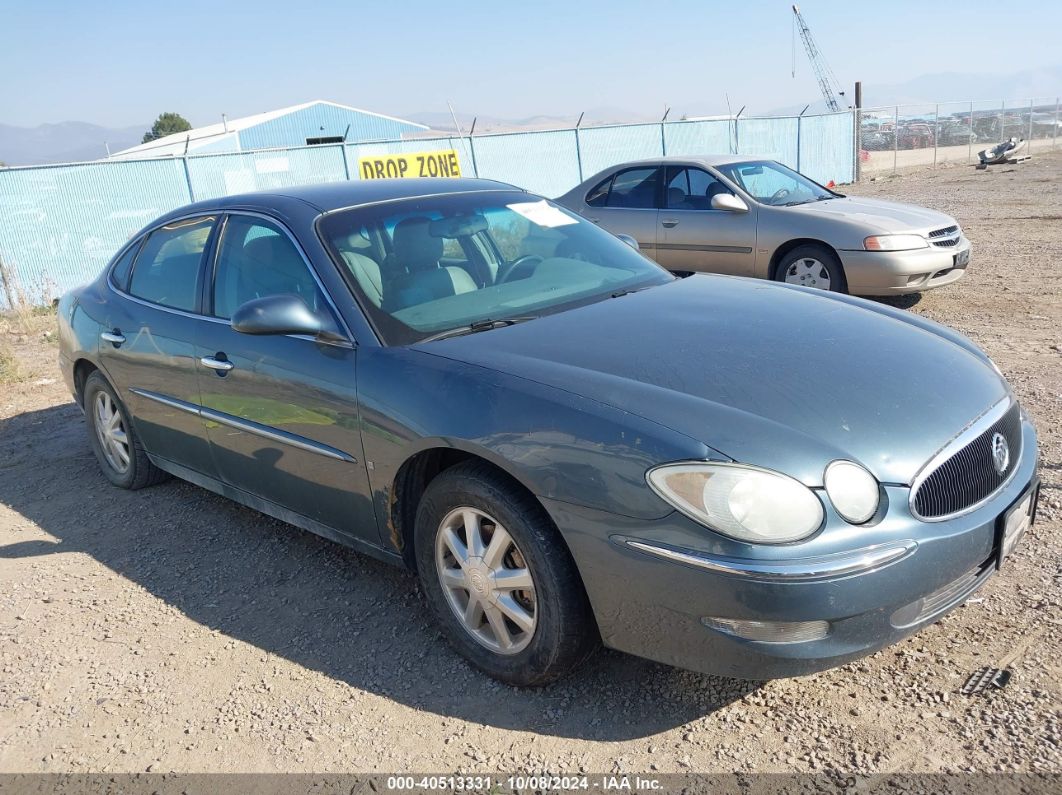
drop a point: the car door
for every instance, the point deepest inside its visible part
(147, 347)
(626, 204)
(693, 236)
(281, 410)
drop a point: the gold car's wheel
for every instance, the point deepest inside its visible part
(813, 266)
(808, 272)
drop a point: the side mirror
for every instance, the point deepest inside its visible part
(729, 202)
(277, 314)
(630, 241)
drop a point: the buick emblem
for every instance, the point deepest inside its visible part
(1000, 453)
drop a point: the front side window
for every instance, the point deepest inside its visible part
(256, 259)
(692, 189)
(525, 257)
(772, 183)
(634, 188)
(167, 268)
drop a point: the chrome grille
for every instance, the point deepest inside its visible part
(946, 237)
(967, 474)
(945, 232)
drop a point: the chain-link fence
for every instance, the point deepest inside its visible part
(60, 224)
(897, 137)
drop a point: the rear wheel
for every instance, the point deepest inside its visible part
(812, 266)
(499, 578)
(113, 440)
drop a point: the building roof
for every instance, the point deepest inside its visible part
(177, 143)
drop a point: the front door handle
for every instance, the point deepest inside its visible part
(669, 223)
(222, 366)
(115, 337)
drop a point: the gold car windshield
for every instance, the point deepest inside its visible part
(772, 183)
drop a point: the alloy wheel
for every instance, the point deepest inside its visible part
(808, 272)
(486, 581)
(111, 432)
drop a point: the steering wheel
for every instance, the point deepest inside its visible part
(781, 193)
(507, 272)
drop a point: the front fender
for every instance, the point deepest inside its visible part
(559, 445)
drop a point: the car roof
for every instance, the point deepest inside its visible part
(329, 196)
(707, 160)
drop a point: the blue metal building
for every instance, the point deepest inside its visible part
(317, 122)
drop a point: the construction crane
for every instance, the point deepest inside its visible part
(828, 83)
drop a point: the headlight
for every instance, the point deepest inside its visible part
(853, 491)
(894, 242)
(743, 502)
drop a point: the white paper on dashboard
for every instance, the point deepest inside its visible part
(542, 213)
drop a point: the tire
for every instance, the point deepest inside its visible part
(563, 633)
(792, 266)
(131, 469)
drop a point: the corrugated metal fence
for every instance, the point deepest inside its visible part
(60, 224)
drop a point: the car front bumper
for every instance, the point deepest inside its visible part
(656, 607)
(899, 272)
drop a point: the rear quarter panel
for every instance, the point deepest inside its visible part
(79, 331)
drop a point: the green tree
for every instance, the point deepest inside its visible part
(167, 124)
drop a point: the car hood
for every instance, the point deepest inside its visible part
(878, 215)
(777, 376)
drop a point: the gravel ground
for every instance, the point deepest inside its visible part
(171, 630)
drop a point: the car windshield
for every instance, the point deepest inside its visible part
(422, 267)
(772, 183)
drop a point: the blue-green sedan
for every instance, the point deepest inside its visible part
(568, 444)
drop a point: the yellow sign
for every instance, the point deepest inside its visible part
(442, 163)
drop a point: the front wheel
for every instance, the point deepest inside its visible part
(499, 579)
(812, 266)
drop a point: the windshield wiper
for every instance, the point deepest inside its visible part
(476, 327)
(621, 293)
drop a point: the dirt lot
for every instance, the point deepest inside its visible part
(169, 629)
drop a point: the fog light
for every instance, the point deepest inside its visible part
(770, 631)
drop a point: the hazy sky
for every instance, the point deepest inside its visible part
(121, 63)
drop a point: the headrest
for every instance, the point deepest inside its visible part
(715, 189)
(263, 250)
(414, 246)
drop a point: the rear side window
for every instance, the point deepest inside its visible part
(599, 195)
(167, 268)
(120, 271)
(634, 188)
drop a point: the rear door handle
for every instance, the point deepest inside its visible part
(222, 366)
(669, 223)
(114, 337)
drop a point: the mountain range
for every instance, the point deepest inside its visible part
(65, 142)
(75, 140)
